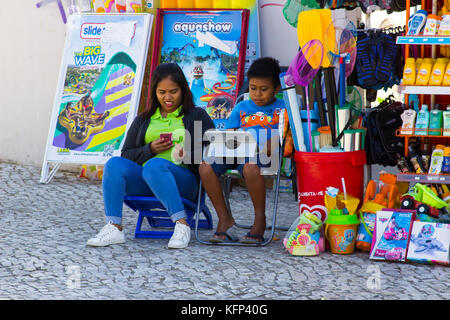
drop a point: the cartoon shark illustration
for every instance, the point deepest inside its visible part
(427, 244)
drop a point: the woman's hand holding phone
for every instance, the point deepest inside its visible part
(160, 145)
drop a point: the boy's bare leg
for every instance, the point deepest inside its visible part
(257, 189)
(213, 188)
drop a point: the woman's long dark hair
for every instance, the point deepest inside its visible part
(175, 73)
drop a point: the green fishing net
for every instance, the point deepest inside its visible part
(292, 8)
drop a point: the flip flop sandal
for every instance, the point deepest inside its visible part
(365, 62)
(229, 237)
(387, 53)
(252, 239)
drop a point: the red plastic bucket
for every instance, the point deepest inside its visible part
(316, 171)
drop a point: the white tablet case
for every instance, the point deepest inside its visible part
(230, 144)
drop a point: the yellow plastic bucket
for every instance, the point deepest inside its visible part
(340, 231)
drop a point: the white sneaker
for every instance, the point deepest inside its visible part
(181, 236)
(107, 236)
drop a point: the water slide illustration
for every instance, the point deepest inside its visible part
(99, 118)
(198, 86)
(187, 50)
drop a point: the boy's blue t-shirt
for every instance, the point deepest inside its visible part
(247, 115)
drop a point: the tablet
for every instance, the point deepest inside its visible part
(230, 144)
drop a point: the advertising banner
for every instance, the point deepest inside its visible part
(99, 87)
(210, 47)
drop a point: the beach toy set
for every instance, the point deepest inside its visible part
(424, 200)
(378, 195)
(325, 46)
(304, 237)
(91, 172)
(342, 222)
(418, 231)
(391, 234)
(397, 222)
(324, 115)
(429, 243)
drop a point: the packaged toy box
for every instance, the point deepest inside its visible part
(365, 231)
(391, 234)
(304, 237)
(429, 243)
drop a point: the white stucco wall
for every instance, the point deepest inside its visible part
(30, 56)
(32, 41)
(278, 37)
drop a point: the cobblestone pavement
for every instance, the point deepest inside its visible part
(43, 255)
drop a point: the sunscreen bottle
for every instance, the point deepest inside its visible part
(437, 74)
(444, 28)
(424, 74)
(446, 119)
(446, 164)
(435, 128)
(445, 50)
(446, 81)
(417, 22)
(409, 73)
(422, 122)
(418, 63)
(432, 25)
(409, 118)
(437, 158)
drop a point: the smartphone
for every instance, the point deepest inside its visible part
(166, 137)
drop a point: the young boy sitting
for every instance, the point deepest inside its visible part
(259, 113)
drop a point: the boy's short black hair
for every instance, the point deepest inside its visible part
(266, 67)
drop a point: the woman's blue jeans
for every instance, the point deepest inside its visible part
(159, 178)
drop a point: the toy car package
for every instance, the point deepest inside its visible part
(391, 234)
(429, 243)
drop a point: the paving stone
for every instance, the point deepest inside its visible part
(45, 229)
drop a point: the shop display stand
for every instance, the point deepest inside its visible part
(424, 178)
(422, 90)
(431, 90)
(399, 133)
(424, 40)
